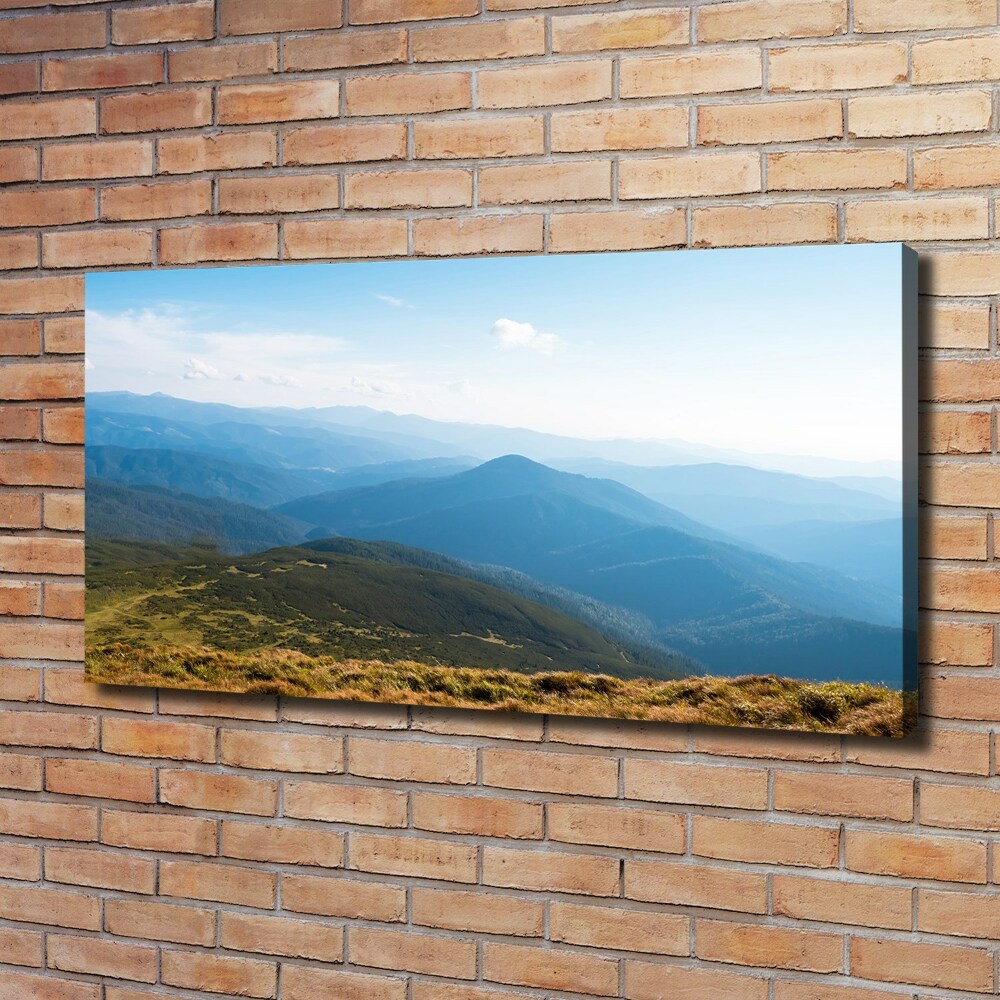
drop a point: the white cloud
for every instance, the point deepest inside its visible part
(394, 301)
(286, 380)
(511, 336)
(89, 365)
(365, 388)
(196, 368)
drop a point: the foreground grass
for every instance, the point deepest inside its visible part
(759, 701)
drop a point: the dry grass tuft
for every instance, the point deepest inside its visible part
(758, 701)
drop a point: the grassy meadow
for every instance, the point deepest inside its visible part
(759, 701)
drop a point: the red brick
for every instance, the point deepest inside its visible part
(37, 906)
(692, 784)
(49, 32)
(647, 981)
(408, 93)
(701, 885)
(950, 859)
(18, 251)
(550, 871)
(218, 792)
(471, 235)
(381, 11)
(274, 102)
(223, 62)
(305, 983)
(41, 207)
(283, 752)
(20, 772)
(373, 48)
(922, 963)
(128, 158)
(348, 898)
(154, 831)
(21, 947)
(21, 336)
(19, 78)
(345, 143)
(174, 740)
(18, 163)
(64, 600)
(48, 820)
(41, 641)
(243, 977)
(64, 335)
(100, 779)
(550, 968)
(336, 803)
(768, 947)
(487, 40)
(620, 929)
(22, 510)
(175, 22)
(419, 857)
(545, 85)
(63, 426)
(226, 151)
(160, 922)
(766, 843)
(60, 556)
(157, 111)
(485, 817)
(469, 138)
(478, 912)
(839, 902)
(352, 237)
(90, 248)
(101, 869)
(219, 242)
(270, 195)
(409, 952)
(41, 295)
(540, 771)
(172, 200)
(282, 844)
(282, 936)
(252, 17)
(18, 598)
(138, 69)
(217, 883)
(21, 861)
(31, 987)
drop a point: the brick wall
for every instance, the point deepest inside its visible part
(174, 845)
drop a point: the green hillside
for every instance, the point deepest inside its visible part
(342, 606)
(151, 513)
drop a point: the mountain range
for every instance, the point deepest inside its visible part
(725, 568)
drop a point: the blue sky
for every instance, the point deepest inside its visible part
(789, 351)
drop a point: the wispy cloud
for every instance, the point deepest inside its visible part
(394, 301)
(512, 335)
(366, 388)
(196, 368)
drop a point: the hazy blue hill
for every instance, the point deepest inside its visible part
(384, 472)
(353, 512)
(153, 514)
(278, 446)
(202, 475)
(329, 603)
(286, 419)
(791, 644)
(763, 497)
(881, 486)
(868, 550)
(671, 576)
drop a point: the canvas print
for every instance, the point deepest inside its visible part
(671, 486)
